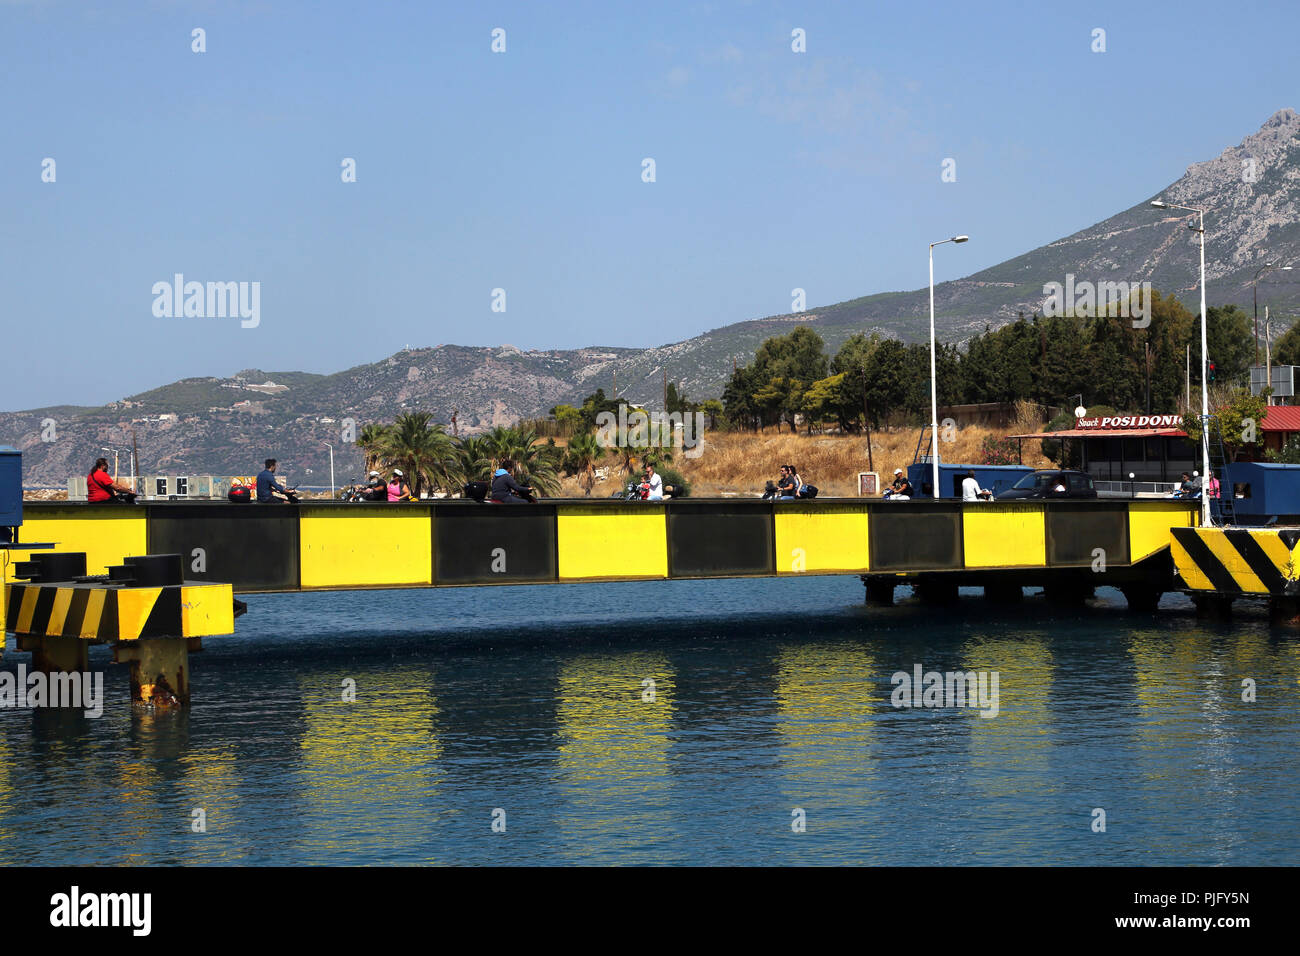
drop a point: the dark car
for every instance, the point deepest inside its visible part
(1051, 484)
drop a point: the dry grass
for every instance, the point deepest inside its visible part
(740, 463)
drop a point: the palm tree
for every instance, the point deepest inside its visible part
(369, 440)
(584, 454)
(475, 458)
(425, 452)
(538, 464)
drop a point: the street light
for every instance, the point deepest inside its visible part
(1255, 283)
(934, 391)
(1205, 389)
(331, 448)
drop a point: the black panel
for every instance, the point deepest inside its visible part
(1076, 529)
(916, 537)
(465, 537)
(707, 539)
(165, 617)
(254, 547)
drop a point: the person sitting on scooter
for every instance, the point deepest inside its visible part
(507, 491)
(267, 486)
(398, 489)
(376, 488)
(101, 488)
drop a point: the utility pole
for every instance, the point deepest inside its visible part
(866, 420)
(1268, 352)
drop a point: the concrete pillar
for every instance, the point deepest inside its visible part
(880, 591)
(58, 653)
(160, 671)
(1213, 607)
(1068, 591)
(1142, 598)
(1003, 592)
(936, 590)
(1284, 612)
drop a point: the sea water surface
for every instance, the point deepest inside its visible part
(675, 722)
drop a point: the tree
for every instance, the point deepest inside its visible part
(582, 457)
(537, 463)
(425, 452)
(787, 365)
(1235, 418)
(1231, 346)
(568, 418)
(1286, 350)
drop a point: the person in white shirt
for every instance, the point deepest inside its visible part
(971, 490)
(654, 483)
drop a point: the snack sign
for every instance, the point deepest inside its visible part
(1131, 421)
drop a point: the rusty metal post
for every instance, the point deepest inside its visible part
(160, 671)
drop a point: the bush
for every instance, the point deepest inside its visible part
(671, 476)
(998, 451)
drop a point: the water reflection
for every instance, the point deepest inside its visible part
(368, 776)
(613, 755)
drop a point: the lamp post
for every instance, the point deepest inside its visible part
(1205, 388)
(934, 390)
(331, 448)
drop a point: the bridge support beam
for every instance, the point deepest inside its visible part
(1213, 607)
(880, 591)
(160, 670)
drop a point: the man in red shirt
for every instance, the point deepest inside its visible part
(101, 488)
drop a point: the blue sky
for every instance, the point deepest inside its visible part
(522, 170)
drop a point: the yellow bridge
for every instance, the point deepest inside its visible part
(334, 546)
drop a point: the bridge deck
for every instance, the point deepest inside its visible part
(336, 546)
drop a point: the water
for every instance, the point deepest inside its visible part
(771, 697)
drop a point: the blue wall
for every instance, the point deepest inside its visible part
(994, 477)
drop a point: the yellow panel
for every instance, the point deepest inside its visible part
(1149, 523)
(59, 613)
(133, 607)
(608, 543)
(105, 539)
(207, 609)
(349, 550)
(1004, 536)
(827, 539)
(26, 609)
(1188, 569)
(1277, 551)
(94, 611)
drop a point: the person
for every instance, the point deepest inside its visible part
(652, 486)
(789, 485)
(1214, 486)
(376, 488)
(900, 489)
(971, 490)
(507, 491)
(1187, 487)
(268, 489)
(398, 489)
(1058, 485)
(100, 488)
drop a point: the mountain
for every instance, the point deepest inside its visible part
(227, 425)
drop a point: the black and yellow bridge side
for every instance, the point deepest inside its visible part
(1252, 562)
(336, 546)
(93, 612)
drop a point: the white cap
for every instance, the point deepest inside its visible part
(397, 472)
(373, 474)
(898, 471)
